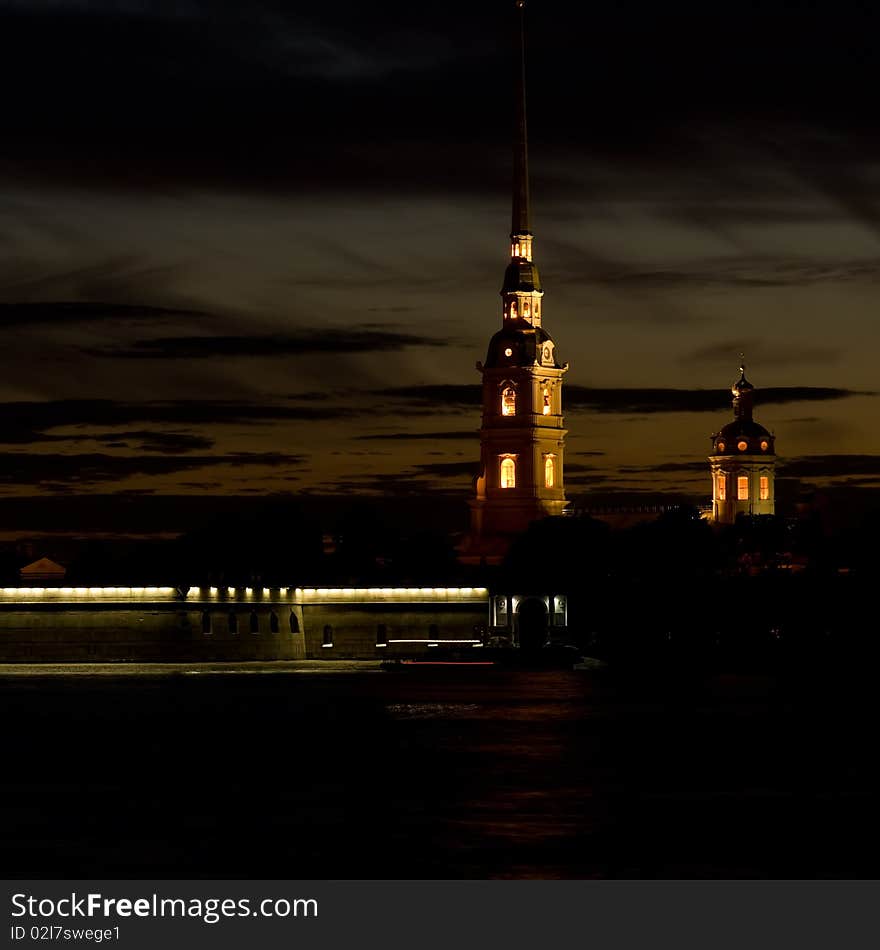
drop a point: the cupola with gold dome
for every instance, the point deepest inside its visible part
(743, 461)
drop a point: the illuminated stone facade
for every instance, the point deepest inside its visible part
(522, 438)
(743, 462)
(167, 624)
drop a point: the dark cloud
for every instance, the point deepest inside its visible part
(650, 401)
(199, 89)
(36, 469)
(127, 287)
(79, 312)
(831, 466)
(441, 394)
(305, 343)
(697, 467)
(629, 401)
(469, 434)
(447, 469)
(28, 422)
(585, 479)
(737, 273)
(168, 443)
(762, 353)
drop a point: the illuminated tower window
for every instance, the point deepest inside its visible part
(513, 309)
(721, 487)
(764, 488)
(742, 488)
(546, 409)
(526, 309)
(549, 472)
(508, 473)
(508, 401)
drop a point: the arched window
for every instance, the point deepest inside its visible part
(513, 309)
(273, 622)
(508, 473)
(255, 622)
(206, 623)
(508, 401)
(233, 622)
(549, 471)
(526, 308)
(294, 623)
(546, 409)
(381, 635)
(764, 487)
(742, 488)
(721, 488)
(328, 636)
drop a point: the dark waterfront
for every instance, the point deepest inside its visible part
(447, 773)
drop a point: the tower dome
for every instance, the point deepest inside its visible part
(521, 346)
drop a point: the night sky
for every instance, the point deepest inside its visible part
(250, 248)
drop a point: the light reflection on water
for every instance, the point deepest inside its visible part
(483, 773)
(433, 710)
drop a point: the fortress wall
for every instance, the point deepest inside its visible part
(58, 625)
(142, 633)
(407, 629)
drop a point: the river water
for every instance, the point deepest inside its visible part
(300, 772)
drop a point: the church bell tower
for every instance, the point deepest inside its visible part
(522, 438)
(743, 461)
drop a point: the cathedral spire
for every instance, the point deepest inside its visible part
(522, 437)
(521, 291)
(521, 218)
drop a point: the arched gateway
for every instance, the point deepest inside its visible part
(532, 623)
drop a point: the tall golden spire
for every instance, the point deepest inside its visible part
(521, 219)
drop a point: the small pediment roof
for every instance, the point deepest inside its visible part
(43, 566)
